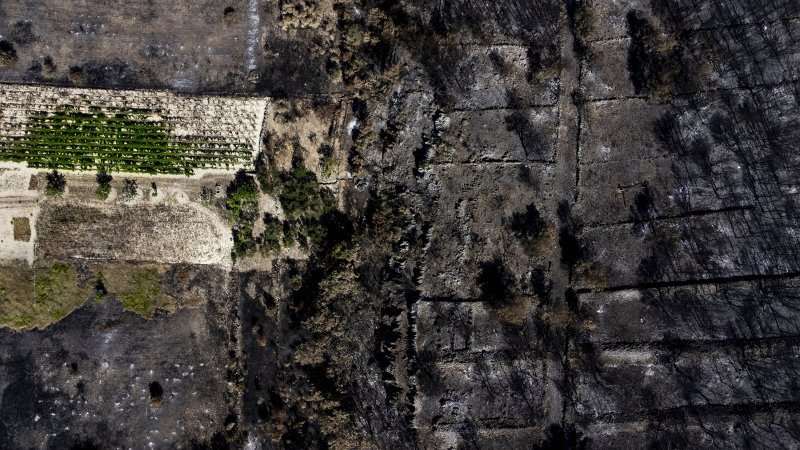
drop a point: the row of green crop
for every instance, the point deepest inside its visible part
(148, 166)
(96, 133)
(145, 167)
(53, 138)
(98, 149)
(166, 124)
(111, 166)
(99, 130)
(145, 145)
(17, 156)
(114, 134)
(133, 169)
(91, 147)
(122, 162)
(153, 162)
(83, 116)
(160, 121)
(96, 130)
(150, 131)
(46, 145)
(120, 123)
(103, 121)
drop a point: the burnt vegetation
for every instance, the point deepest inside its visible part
(8, 53)
(719, 237)
(654, 60)
(527, 225)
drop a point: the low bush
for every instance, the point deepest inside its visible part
(129, 190)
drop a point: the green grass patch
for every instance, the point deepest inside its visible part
(34, 297)
(126, 141)
(139, 289)
(329, 165)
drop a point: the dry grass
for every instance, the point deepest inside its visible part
(514, 312)
(593, 275)
(22, 229)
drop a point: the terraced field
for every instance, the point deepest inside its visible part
(159, 133)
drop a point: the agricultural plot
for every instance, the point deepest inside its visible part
(121, 142)
(153, 133)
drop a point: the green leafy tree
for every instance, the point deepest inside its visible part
(242, 207)
(103, 185)
(301, 195)
(56, 184)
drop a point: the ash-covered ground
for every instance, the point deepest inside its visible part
(549, 224)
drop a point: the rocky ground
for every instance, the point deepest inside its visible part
(556, 224)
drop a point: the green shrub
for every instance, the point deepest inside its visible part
(309, 209)
(328, 164)
(273, 234)
(242, 198)
(327, 161)
(8, 54)
(288, 234)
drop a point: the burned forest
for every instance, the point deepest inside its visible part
(356, 224)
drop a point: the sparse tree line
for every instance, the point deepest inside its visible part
(56, 184)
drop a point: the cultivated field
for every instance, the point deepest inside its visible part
(127, 131)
